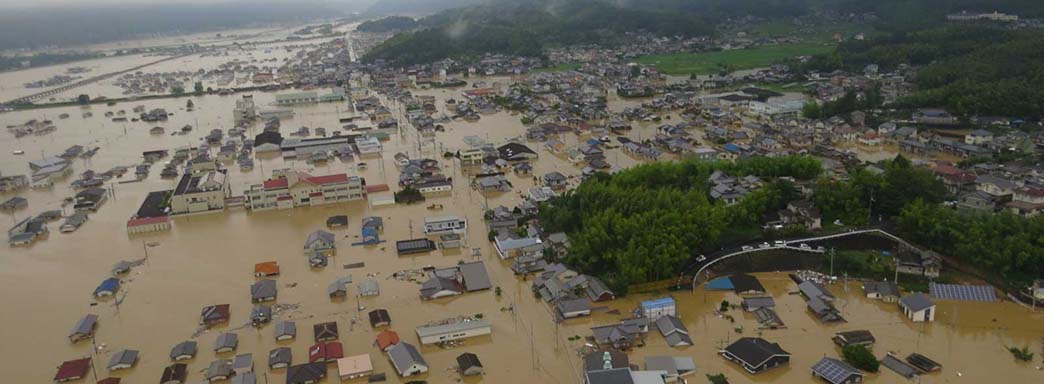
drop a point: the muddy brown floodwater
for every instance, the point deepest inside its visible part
(208, 259)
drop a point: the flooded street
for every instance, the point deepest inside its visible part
(208, 259)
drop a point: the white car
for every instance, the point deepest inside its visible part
(780, 243)
(747, 248)
(764, 245)
(804, 246)
(701, 258)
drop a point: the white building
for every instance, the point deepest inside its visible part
(445, 225)
(297, 98)
(200, 192)
(454, 330)
(918, 307)
(297, 189)
(368, 146)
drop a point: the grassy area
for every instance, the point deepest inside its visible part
(559, 68)
(712, 62)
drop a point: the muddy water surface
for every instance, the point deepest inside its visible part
(208, 259)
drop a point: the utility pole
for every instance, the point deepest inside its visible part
(832, 251)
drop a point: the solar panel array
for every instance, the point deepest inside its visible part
(833, 370)
(963, 292)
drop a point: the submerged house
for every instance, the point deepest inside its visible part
(310, 373)
(835, 371)
(469, 365)
(918, 307)
(262, 291)
(285, 330)
(673, 331)
(214, 314)
(279, 358)
(84, 328)
(407, 360)
(320, 241)
(755, 354)
(184, 350)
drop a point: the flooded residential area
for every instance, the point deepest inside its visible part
(263, 205)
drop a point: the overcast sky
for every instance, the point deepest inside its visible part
(34, 3)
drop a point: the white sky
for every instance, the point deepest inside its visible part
(35, 3)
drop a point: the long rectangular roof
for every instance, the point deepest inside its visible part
(963, 292)
(460, 326)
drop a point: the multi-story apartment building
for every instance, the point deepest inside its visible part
(291, 189)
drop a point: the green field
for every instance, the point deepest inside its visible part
(711, 62)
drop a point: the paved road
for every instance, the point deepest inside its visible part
(789, 244)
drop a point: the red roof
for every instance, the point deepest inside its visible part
(377, 188)
(946, 169)
(109, 380)
(386, 339)
(276, 183)
(315, 194)
(328, 179)
(284, 198)
(268, 268)
(73, 369)
(147, 221)
(327, 351)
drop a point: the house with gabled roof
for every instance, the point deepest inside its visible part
(226, 342)
(263, 290)
(84, 328)
(835, 371)
(407, 360)
(279, 358)
(214, 314)
(858, 337)
(175, 373)
(673, 331)
(285, 330)
(755, 354)
(184, 350)
(320, 241)
(309, 373)
(918, 307)
(677, 367)
(325, 331)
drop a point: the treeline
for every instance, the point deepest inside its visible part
(969, 69)
(848, 103)
(646, 223)
(388, 24)
(1003, 244)
(867, 196)
(526, 29)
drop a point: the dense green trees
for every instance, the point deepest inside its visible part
(525, 29)
(861, 357)
(1000, 244)
(388, 24)
(645, 223)
(971, 69)
(865, 195)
